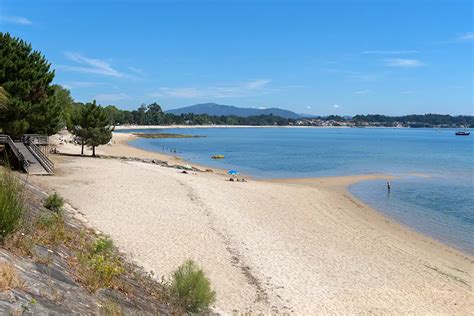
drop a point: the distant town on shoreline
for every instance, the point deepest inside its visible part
(215, 114)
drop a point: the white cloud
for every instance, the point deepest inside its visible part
(390, 52)
(257, 84)
(467, 37)
(336, 106)
(111, 97)
(90, 65)
(362, 92)
(308, 107)
(79, 84)
(138, 71)
(15, 20)
(404, 63)
(223, 91)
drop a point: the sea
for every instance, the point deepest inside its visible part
(433, 191)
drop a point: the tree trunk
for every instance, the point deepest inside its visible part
(93, 151)
(82, 148)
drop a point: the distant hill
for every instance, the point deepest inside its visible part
(219, 109)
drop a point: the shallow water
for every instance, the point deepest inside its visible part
(439, 204)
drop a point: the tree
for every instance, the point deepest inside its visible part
(115, 115)
(92, 125)
(65, 101)
(25, 74)
(154, 114)
(4, 99)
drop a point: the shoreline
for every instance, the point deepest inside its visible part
(340, 184)
(132, 127)
(145, 127)
(295, 245)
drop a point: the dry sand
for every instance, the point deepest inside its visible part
(304, 246)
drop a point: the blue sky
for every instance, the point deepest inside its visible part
(319, 57)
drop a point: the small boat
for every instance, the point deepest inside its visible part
(463, 133)
(218, 157)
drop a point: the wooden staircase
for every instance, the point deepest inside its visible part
(31, 158)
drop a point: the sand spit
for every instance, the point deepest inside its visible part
(301, 246)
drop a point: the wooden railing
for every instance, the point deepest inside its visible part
(5, 139)
(36, 139)
(42, 158)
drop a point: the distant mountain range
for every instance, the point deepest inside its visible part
(219, 109)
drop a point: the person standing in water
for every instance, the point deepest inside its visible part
(388, 186)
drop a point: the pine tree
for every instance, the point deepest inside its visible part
(26, 76)
(4, 99)
(92, 125)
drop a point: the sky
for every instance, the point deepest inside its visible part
(321, 57)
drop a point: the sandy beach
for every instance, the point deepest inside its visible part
(302, 246)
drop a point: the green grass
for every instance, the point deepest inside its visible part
(12, 204)
(191, 288)
(54, 202)
(51, 230)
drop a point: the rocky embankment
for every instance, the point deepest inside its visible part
(40, 273)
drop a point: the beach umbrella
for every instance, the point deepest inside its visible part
(232, 172)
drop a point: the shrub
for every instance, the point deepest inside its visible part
(12, 204)
(192, 288)
(99, 264)
(102, 246)
(54, 202)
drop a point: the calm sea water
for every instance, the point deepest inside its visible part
(440, 205)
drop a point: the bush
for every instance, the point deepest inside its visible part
(99, 264)
(192, 288)
(102, 246)
(54, 202)
(12, 205)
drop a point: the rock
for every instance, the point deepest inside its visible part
(68, 208)
(80, 218)
(7, 296)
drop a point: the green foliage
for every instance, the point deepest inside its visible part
(53, 230)
(91, 123)
(152, 114)
(416, 120)
(100, 264)
(25, 74)
(192, 288)
(102, 245)
(54, 202)
(64, 99)
(4, 99)
(115, 115)
(12, 205)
